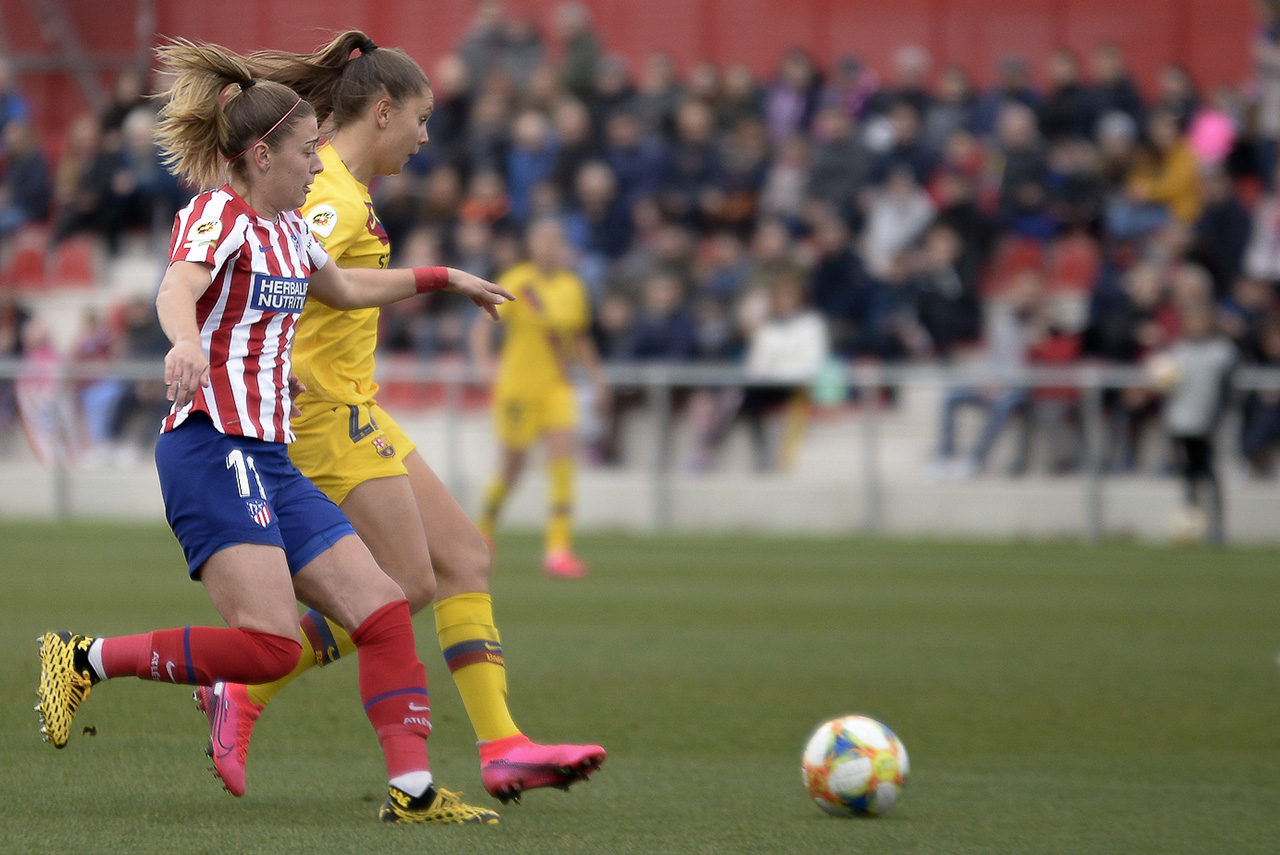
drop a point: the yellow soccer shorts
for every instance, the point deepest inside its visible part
(340, 446)
(519, 420)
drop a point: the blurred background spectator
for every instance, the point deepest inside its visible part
(904, 205)
(14, 318)
(1013, 327)
(25, 192)
(581, 49)
(786, 346)
(1194, 372)
(82, 180)
(13, 106)
(662, 329)
(1260, 421)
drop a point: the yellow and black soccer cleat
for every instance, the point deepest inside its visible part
(65, 680)
(433, 806)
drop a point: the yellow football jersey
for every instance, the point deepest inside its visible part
(539, 328)
(332, 349)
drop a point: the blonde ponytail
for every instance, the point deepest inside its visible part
(216, 110)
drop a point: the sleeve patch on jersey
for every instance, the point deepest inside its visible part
(323, 220)
(204, 232)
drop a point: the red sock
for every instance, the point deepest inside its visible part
(393, 687)
(199, 655)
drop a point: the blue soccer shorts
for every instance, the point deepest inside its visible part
(222, 490)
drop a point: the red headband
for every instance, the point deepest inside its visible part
(268, 133)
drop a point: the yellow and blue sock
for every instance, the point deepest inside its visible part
(473, 652)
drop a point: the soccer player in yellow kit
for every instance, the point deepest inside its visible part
(544, 335)
(377, 102)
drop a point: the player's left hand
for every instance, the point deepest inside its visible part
(482, 292)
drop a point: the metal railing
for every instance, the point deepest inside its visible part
(659, 380)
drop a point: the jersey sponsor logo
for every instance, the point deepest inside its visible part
(204, 232)
(278, 293)
(383, 447)
(259, 512)
(323, 220)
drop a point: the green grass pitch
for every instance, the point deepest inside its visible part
(1054, 699)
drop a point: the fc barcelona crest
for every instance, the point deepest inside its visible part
(383, 447)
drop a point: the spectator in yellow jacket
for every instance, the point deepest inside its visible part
(1166, 173)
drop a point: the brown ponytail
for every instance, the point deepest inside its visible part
(216, 110)
(340, 85)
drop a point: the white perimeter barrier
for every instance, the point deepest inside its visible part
(862, 467)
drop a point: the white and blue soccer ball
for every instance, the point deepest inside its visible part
(854, 766)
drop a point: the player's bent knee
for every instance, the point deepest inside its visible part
(276, 655)
(388, 590)
(466, 565)
(374, 595)
(419, 591)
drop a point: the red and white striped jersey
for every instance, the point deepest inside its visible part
(248, 314)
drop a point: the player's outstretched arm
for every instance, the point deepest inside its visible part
(364, 288)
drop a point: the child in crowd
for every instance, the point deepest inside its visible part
(1194, 374)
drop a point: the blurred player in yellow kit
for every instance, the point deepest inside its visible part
(544, 335)
(377, 102)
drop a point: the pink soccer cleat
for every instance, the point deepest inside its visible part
(512, 765)
(232, 716)
(563, 564)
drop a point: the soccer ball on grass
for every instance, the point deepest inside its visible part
(854, 766)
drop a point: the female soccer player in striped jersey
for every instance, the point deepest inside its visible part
(375, 102)
(255, 532)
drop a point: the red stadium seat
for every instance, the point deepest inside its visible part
(24, 267)
(73, 263)
(1012, 257)
(1073, 262)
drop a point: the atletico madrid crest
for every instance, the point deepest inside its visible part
(383, 447)
(260, 511)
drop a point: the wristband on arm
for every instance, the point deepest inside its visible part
(426, 279)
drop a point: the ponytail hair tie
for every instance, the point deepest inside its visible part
(367, 46)
(248, 84)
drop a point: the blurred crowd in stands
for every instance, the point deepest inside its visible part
(1063, 214)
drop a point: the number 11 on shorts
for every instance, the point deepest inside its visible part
(243, 465)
